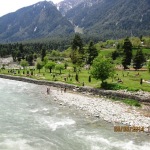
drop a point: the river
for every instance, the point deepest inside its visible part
(31, 120)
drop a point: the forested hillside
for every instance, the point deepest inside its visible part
(33, 22)
(112, 19)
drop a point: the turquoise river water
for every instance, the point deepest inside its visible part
(31, 120)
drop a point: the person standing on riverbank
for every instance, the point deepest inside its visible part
(48, 90)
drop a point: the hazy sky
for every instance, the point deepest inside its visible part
(7, 6)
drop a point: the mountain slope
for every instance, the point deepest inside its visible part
(97, 19)
(66, 5)
(112, 18)
(35, 21)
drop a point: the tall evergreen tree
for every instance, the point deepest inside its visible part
(77, 43)
(43, 54)
(21, 48)
(29, 58)
(127, 53)
(19, 56)
(139, 59)
(91, 52)
(14, 55)
(77, 52)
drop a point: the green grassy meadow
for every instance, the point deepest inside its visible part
(131, 79)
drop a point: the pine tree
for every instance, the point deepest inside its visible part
(127, 53)
(77, 52)
(43, 54)
(21, 48)
(77, 43)
(92, 53)
(29, 58)
(138, 60)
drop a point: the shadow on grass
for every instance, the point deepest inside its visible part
(116, 86)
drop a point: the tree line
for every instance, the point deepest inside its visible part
(79, 54)
(126, 53)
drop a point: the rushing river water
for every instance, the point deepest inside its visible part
(31, 120)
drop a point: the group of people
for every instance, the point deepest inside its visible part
(62, 89)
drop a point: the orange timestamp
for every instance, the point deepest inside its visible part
(128, 129)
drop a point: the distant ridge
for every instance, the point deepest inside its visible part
(97, 19)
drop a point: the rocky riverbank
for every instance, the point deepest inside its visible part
(103, 108)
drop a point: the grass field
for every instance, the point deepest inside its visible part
(131, 79)
(107, 52)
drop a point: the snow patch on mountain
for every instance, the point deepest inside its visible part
(65, 5)
(35, 29)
